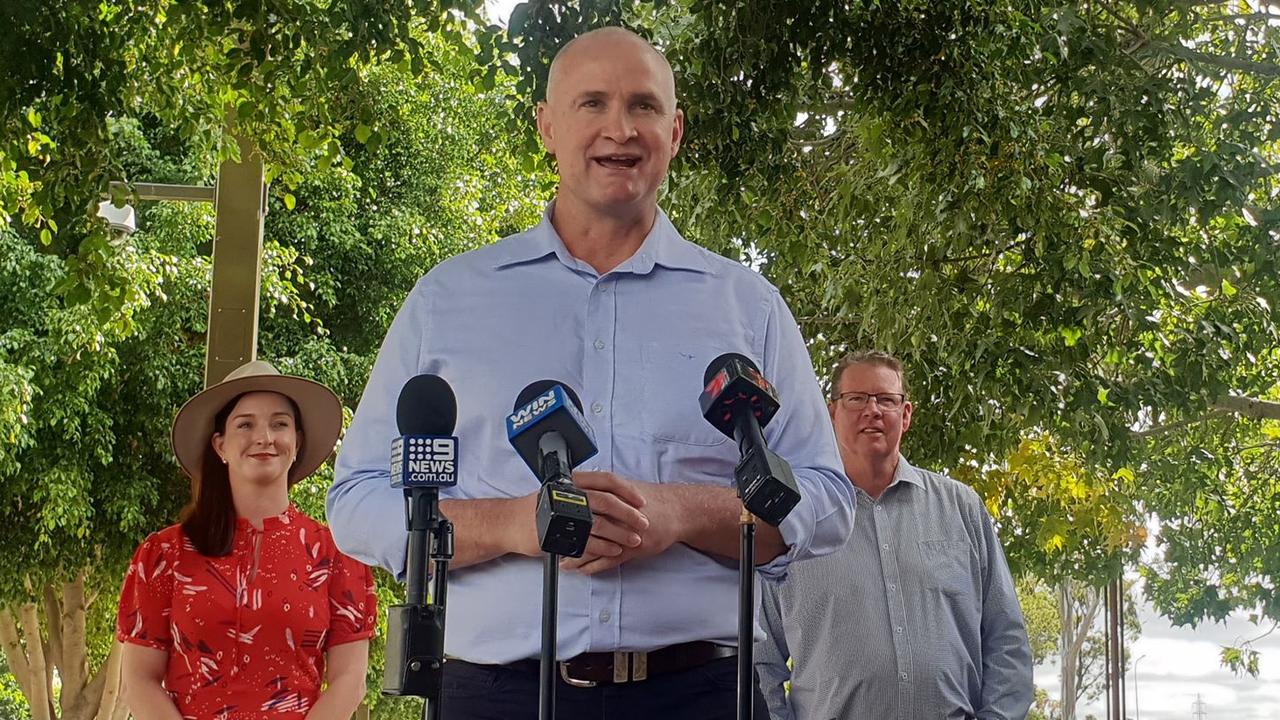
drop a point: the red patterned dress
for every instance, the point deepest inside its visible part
(246, 642)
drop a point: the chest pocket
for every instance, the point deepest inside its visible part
(948, 566)
(672, 381)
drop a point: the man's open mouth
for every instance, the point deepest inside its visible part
(618, 162)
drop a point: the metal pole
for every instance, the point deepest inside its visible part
(547, 666)
(746, 615)
(237, 264)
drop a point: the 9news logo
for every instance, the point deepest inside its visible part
(424, 461)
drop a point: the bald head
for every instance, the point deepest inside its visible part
(601, 42)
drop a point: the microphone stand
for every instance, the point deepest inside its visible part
(746, 614)
(746, 431)
(415, 665)
(564, 524)
(547, 659)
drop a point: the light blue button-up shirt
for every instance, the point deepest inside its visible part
(634, 344)
(915, 617)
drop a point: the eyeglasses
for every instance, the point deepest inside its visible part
(858, 400)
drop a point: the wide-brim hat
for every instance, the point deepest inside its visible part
(320, 409)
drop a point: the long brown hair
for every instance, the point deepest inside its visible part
(209, 520)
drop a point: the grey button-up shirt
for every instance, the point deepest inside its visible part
(915, 617)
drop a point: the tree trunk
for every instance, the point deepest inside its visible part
(1069, 652)
(38, 670)
(11, 641)
(111, 703)
(35, 660)
(74, 667)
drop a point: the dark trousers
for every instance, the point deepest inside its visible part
(500, 692)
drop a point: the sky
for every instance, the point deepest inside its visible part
(1174, 664)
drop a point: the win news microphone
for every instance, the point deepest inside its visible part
(548, 432)
(423, 459)
(738, 402)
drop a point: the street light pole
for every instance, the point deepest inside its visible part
(240, 204)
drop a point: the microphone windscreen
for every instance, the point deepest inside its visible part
(427, 406)
(718, 364)
(537, 387)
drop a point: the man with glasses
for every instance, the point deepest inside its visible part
(916, 616)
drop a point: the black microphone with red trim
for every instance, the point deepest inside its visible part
(738, 401)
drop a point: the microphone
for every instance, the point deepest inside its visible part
(738, 401)
(425, 454)
(423, 460)
(548, 432)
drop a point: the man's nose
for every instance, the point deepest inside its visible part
(619, 126)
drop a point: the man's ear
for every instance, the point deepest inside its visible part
(677, 131)
(545, 129)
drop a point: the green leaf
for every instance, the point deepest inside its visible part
(290, 201)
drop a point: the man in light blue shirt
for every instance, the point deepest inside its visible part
(606, 296)
(916, 616)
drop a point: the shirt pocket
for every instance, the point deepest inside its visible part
(671, 383)
(948, 566)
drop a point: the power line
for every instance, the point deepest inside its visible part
(1198, 708)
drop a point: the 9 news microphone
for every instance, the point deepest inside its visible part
(738, 401)
(423, 460)
(548, 432)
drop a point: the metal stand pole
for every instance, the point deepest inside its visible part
(746, 615)
(547, 664)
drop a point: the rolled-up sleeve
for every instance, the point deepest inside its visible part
(801, 433)
(363, 510)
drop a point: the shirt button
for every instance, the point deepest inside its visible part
(892, 586)
(884, 546)
(597, 408)
(898, 629)
(879, 508)
(599, 344)
(902, 677)
(605, 615)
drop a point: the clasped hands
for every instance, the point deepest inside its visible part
(630, 520)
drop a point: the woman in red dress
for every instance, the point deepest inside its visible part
(246, 609)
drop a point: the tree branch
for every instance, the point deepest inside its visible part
(14, 654)
(1162, 429)
(1252, 408)
(103, 691)
(53, 625)
(1136, 31)
(1221, 61)
(76, 665)
(40, 699)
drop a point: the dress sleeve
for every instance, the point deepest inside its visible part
(353, 604)
(147, 597)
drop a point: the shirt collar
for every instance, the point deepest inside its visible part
(273, 522)
(906, 472)
(662, 246)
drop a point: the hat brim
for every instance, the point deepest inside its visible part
(321, 420)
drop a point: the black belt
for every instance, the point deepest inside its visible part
(591, 669)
